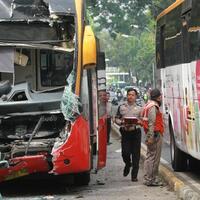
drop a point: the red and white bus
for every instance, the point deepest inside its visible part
(178, 58)
(50, 72)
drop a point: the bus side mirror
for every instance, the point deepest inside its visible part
(89, 48)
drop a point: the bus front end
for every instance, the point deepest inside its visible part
(43, 125)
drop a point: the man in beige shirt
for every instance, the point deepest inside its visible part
(131, 133)
(154, 128)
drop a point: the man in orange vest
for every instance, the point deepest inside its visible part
(154, 128)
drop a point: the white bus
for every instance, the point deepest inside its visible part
(178, 58)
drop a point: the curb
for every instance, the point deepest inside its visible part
(183, 191)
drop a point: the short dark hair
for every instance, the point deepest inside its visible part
(155, 93)
(132, 89)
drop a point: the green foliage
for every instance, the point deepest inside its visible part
(126, 29)
(118, 16)
(130, 53)
(157, 6)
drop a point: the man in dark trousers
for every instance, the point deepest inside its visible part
(109, 116)
(154, 128)
(130, 133)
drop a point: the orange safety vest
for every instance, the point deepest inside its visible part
(159, 125)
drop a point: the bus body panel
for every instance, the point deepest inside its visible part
(78, 155)
(181, 100)
(23, 166)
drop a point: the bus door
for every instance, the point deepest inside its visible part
(102, 115)
(97, 83)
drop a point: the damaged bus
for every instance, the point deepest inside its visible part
(51, 70)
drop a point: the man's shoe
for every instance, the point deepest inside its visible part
(133, 175)
(134, 179)
(154, 184)
(126, 170)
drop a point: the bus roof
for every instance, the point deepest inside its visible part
(170, 8)
(32, 10)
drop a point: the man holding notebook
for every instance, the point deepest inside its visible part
(128, 118)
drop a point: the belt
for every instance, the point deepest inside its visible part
(156, 134)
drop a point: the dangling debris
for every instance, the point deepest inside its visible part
(70, 104)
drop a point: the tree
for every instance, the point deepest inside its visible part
(120, 16)
(134, 19)
(130, 53)
(145, 57)
(157, 6)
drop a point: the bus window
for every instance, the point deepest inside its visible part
(55, 67)
(185, 38)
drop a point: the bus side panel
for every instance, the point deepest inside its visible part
(197, 108)
(190, 130)
(102, 143)
(174, 103)
(74, 155)
(191, 119)
(182, 101)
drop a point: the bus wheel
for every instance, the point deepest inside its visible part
(194, 164)
(82, 178)
(178, 157)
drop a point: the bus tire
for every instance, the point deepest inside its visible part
(81, 179)
(178, 157)
(194, 164)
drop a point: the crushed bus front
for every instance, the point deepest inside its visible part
(41, 124)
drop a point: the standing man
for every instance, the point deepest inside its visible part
(153, 127)
(105, 107)
(109, 116)
(130, 134)
(102, 97)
